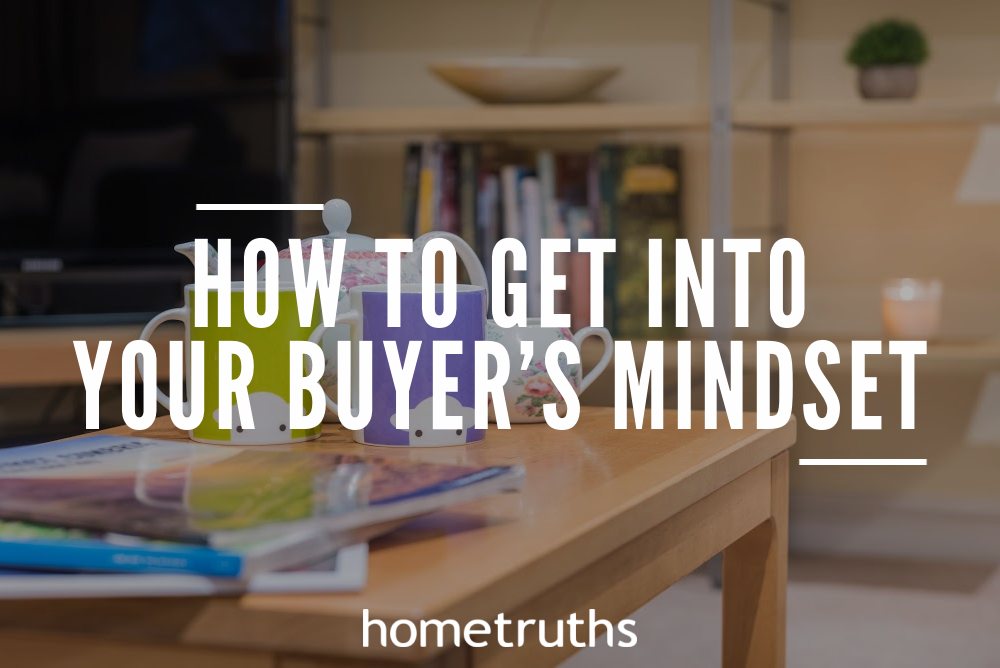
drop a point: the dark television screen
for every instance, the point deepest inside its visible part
(118, 116)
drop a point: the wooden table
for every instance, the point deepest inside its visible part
(607, 520)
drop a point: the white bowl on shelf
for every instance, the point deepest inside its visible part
(527, 79)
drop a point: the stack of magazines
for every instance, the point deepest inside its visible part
(116, 516)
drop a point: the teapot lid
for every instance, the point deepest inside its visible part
(337, 218)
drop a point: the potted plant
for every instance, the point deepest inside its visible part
(887, 54)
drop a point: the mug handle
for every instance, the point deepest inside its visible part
(349, 317)
(604, 335)
(147, 331)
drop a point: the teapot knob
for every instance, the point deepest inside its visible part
(337, 217)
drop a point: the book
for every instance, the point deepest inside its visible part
(531, 222)
(644, 189)
(545, 166)
(427, 186)
(572, 219)
(579, 291)
(608, 170)
(489, 220)
(561, 267)
(226, 496)
(511, 225)
(36, 547)
(344, 571)
(572, 193)
(411, 188)
(468, 191)
(447, 192)
(510, 186)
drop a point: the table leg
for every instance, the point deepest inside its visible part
(754, 582)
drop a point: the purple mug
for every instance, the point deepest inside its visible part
(368, 319)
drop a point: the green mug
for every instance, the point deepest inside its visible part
(270, 387)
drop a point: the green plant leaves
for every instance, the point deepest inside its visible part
(889, 42)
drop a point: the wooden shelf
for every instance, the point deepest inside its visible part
(612, 117)
(45, 356)
(942, 357)
(503, 118)
(859, 113)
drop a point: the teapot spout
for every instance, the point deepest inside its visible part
(187, 250)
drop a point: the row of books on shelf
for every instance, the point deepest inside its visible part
(106, 516)
(485, 192)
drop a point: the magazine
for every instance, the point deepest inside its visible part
(226, 496)
(344, 571)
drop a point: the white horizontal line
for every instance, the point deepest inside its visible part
(258, 207)
(863, 462)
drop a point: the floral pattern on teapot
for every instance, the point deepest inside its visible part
(360, 267)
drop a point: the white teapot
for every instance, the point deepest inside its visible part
(362, 266)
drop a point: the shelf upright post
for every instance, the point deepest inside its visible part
(780, 137)
(720, 188)
(324, 99)
(720, 169)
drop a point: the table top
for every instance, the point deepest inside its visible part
(588, 491)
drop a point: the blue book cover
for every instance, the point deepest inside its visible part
(344, 570)
(50, 548)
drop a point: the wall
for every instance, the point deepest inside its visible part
(867, 205)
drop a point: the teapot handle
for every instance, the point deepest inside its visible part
(473, 265)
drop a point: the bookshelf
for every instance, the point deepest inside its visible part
(503, 118)
(860, 114)
(615, 117)
(719, 117)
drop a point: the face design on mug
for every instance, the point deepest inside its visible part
(422, 431)
(270, 418)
